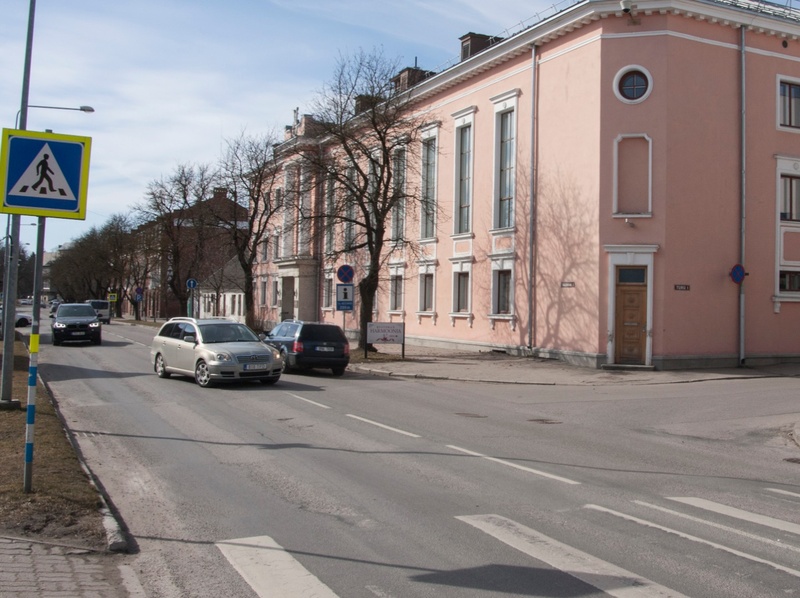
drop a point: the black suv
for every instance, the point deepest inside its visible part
(311, 345)
(75, 322)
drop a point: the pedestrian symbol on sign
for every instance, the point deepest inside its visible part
(38, 172)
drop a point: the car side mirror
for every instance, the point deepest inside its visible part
(52, 315)
(190, 338)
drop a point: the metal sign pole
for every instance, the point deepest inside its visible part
(33, 374)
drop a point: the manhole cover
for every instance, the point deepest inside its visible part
(544, 420)
(471, 415)
(793, 460)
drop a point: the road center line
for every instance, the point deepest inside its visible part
(515, 465)
(271, 571)
(668, 530)
(600, 574)
(714, 507)
(384, 426)
(307, 400)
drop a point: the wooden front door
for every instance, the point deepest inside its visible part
(631, 315)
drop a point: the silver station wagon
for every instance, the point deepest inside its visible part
(213, 350)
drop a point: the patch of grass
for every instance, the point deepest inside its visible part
(63, 503)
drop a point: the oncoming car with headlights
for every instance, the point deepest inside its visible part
(213, 350)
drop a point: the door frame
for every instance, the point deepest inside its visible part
(629, 255)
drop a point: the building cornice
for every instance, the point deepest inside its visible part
(777, 21)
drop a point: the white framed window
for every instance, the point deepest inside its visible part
(396, 293)
(426, 292)
(461, 306)
(428, 184)
(787, 244)
(399, 191)
(788, 110)
(327, 292)
(464, 135)
(330, 211)
(505, 109)
(275, 292)
(263, 293)
(633, 84)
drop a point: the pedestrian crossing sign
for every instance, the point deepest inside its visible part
(44, 174)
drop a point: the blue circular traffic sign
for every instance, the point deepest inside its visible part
(738, 274)
(191, 283)
(345, 274)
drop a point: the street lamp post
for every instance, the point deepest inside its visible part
(78, 109)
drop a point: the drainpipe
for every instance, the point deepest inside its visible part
(532, 207)
(743, 191)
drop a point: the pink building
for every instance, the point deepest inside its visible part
(615, 187)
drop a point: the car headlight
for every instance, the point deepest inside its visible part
(59, 325)
(275, 353)
(223, 357)
(94, 324)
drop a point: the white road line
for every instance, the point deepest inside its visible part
(784, 492)
(384, 426)
(270, 570)
(514, 465)
(600, 574)
(650, 524)
(307, 400)
(714, 507)
(731, 530)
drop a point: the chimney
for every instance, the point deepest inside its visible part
(409, 77)
(472, 43)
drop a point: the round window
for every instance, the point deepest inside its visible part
(633, 84)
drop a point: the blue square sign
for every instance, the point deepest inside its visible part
(44, 174)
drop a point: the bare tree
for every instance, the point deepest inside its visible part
(177, 208)
(369, 140)
(247, 173)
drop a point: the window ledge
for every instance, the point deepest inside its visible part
(505, 230)
(426, 314)
(462, 236)
(632, 215)
(397, 312)
(510, 318)
(462, 315)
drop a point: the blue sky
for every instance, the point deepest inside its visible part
(170, 80)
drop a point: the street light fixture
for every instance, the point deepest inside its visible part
(78, 109)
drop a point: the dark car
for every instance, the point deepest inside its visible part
(311, 345)
(75, 322)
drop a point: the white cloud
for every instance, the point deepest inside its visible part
(170, 81)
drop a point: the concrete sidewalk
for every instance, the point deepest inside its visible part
(500, 368)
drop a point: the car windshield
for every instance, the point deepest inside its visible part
(75, 311)
(227, 333)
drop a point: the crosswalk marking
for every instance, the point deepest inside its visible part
(725, 528)
(708, 505)
(650, 524)
(604, 576)
(271, 571)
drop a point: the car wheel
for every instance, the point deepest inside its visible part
(201, 374)
(338, 371)
(285, 367)
(56, 342)
(97, 341)
(160, 367)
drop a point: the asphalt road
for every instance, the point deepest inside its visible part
(365, 486)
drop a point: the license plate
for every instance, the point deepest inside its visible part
(256, 366)
(80, 333)
(328, 349)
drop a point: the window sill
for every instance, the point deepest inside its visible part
(428, 241)
(510, 318)
(503, 231)
(632, 215)
(426, 314)
(462, 236)
(462, 315)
